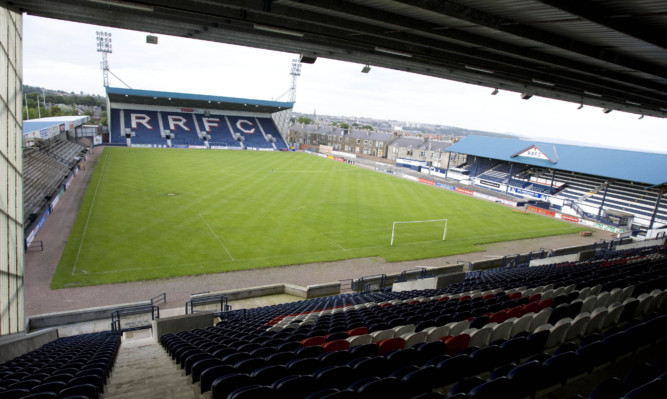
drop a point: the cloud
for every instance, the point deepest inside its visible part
(61, 55)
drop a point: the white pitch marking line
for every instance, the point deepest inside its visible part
(90, 211)
(335, 243)
(216, 236)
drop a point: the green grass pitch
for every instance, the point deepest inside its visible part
(154, 213)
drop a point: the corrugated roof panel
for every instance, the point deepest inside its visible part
(641, 167)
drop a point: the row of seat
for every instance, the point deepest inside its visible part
(521, 369)
(66, 367)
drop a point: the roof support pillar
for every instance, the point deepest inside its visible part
(604, 197)
(655, 208)
(509, 179)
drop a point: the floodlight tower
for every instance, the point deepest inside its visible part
(295, 71)
(104, 47)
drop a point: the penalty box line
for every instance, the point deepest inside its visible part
(216, 237)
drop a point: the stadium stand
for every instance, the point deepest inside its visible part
(45, 168)
(517, 331)
(217, 129)
(77, 366)
(272, 132)
(250, 130)
(188, 130)
(578, 181)
(182, 127)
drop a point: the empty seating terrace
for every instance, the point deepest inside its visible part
(634, 198)
(71, 367)
(512, 332)
(44, 170)
(148, 128)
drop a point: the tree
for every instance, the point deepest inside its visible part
(304, 119)
(369, 127)
(344, 125)
(56, 111)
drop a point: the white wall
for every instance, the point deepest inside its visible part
(11, 166)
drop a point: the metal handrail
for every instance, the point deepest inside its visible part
(190, 305)
(117, 314)
(159, 300)
(363, 286)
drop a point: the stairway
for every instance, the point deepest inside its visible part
(144, 370)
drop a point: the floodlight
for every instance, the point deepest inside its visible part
(494, 92)
(641, 117)
(607, 110)
(151, 39)
(526, 96)
(581, 106)
(366, 69)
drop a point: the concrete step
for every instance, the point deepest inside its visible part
(144, 370)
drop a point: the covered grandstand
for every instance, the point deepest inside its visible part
(616, 187)
(592, 326)
(142, 118)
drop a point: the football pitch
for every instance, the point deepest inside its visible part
(155, 213)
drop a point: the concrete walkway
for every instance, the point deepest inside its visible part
(143, 369)
(40, 266)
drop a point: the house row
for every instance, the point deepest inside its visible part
(391, 146)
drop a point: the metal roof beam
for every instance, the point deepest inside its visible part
(458, 11)
(600, 15)
(543, 63)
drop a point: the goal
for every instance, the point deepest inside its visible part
(437, 223)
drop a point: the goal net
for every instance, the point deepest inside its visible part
(419, 231)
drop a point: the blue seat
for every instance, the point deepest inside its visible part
(422, 380)
(207, 376)
(454, 369)
(465, 385)
(338, 377)
(559, 368)
(525, 377)
(251, 392)
(384, 388)
(611, 388)
(501, 387)
(223, 386)
(303, 366)
(486, 359)
(296, 386)
(654, 389)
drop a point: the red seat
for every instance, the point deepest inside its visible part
(312, 341)
(516, 311)
(545, 303)
(456, 344)
(357, 331)
(531, 307)
(338, 345)
(515, 295)
(390, 344)
(498, 317)
(534, 298)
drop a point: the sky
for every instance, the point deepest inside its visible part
(62, 55)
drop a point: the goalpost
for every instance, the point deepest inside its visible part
(393, 227)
